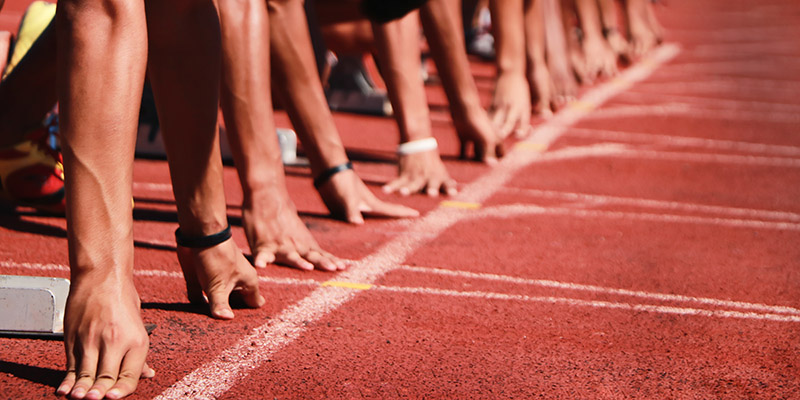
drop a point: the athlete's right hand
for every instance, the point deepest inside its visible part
(105, 339)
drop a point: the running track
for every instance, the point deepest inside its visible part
(645, 243)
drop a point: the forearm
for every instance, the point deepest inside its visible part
(441, 20)
(555, 38)
(245, 95)
(589, 16)
(507, 26)
(398, 55)
(101, 74)
(300, 88)
(535, 34)
(188, 110)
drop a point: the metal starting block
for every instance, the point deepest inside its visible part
(32, 305)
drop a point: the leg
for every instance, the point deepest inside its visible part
(102, 46)
(30, 170)
(29, 91)
(186, 92)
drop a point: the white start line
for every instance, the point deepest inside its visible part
(216, 377)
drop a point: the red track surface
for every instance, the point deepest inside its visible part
(652, 251)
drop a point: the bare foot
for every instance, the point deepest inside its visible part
(276, 234)
(422, 172)
(348, 198)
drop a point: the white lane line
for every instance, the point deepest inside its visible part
(598, 304)
(217, 376)
(618, 150)
(639, 95)
(594, 199)
(693, 111)
(765, 50)
(722, 88)
(685, 141)
(722, 70)
(149, 273)
(515, 210)
(710, 158)
(155, 187)
(666, 297)
(768, 312)
(766, 35)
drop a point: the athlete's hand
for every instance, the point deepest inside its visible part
(220, 272)
(276, 234)
(422, 172)
(104, 337)
(348, 198)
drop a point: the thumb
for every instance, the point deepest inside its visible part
(354, 214)
(263, 257)
(249, 292)
(218, 302)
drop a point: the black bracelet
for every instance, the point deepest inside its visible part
(326, 175)
(199, 242)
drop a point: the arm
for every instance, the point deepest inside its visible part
(441, 20)
(345, 195)
(511, 103)
(98, 122)
(538, 71)
(399, 58)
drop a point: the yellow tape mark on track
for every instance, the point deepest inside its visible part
(582, 105)
(530, 146)
(460, 204)
(349, 285)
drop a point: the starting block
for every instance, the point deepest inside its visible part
(33, 306)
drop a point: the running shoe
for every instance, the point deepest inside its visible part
(32, 173)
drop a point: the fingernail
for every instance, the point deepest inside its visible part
(78, 392)
(405, 191)
(63, 389)
(93, 394)
(114, 394)
(226, 313)
(261, 300)
(386, 189)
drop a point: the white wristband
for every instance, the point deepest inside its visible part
(417, 146)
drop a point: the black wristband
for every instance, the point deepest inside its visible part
(330, 172)
(199, 242)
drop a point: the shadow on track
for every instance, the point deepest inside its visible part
(44, 376)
